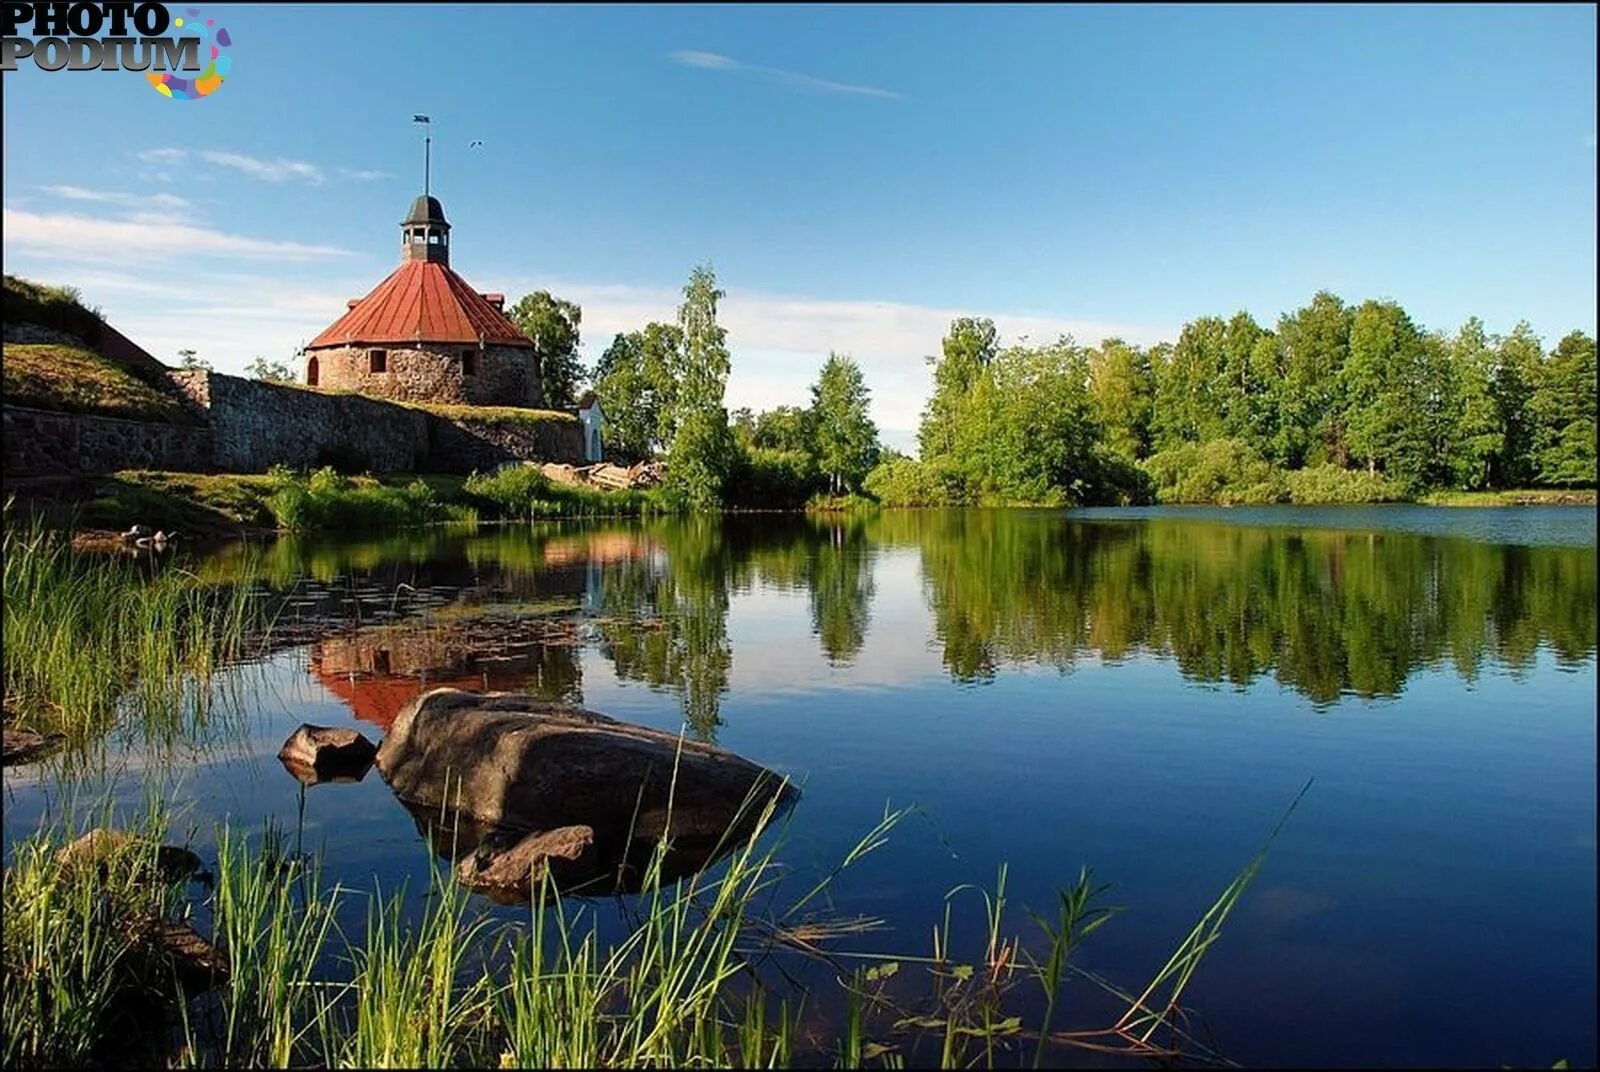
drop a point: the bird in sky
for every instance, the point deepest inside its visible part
(475, 145)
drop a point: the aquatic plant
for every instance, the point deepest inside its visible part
(88, 636)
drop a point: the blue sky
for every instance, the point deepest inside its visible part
(857, 176)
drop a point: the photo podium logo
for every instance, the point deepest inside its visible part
(183, 56)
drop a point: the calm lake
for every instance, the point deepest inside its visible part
(1142, 692)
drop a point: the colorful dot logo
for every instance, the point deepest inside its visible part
(213, 40)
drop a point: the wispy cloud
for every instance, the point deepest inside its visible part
(162, 156)
(145, 237)
(715, 61)
(279, 170)
(115, 197)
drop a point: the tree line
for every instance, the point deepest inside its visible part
(1335, 402)
(1332, 403)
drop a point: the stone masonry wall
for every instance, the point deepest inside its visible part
(504, 375)
(43, 443)
(460, 445)
(248, 426)
(256, 425)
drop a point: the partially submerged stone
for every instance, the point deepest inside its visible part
(508, 867)
(534, 773)
(100, 846)
(195, 963)
(25, 746)
(316, 754)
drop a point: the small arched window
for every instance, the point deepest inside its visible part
(311, 372)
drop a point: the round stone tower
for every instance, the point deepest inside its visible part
(424, 335)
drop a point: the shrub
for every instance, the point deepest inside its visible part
(1223, 471)
(326, 500)
(1331, 484)
(903, 481)
(518, 492)
(767, 478)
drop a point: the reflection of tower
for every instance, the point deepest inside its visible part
(377, 671)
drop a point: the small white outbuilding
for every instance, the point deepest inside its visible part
(593, 422)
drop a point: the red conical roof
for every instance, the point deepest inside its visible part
(421, 301)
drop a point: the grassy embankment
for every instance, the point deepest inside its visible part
(71, 379)
(1512, 497)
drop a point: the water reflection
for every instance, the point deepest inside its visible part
(1327, 612)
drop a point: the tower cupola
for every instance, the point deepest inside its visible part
(425, 232)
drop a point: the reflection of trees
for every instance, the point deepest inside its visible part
(841, 589)
(682, 641)
(1325, 612)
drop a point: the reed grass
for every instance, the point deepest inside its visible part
(80, 973)
(89, 638)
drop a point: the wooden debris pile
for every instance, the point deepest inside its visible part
(606, 475)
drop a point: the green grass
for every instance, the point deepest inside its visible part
(81, 977)
(88, 638)
(492, 414)
(324, 499)
(1512, 497)
(73, 380)
(60, 308)
(192, 503)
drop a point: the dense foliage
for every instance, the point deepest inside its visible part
(551, 324)
(1336, 404)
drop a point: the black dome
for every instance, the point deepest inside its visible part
(426, 210)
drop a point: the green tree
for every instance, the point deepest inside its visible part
(1188, 406)
(191, 359)
(702, 449)
(1384, 391)
(1123, 389)
(1518, 358)
(965, 352)
(1479, 433)
(742, 423)
(846, 439)
(784, 428)
(635, 381)
(1314, 342)
(551, 324)
(1244, 387)
(1563, 408)
(270, 371)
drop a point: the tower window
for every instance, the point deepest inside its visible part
(377, 361)
(469, 362)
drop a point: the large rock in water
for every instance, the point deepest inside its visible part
(517, 788)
